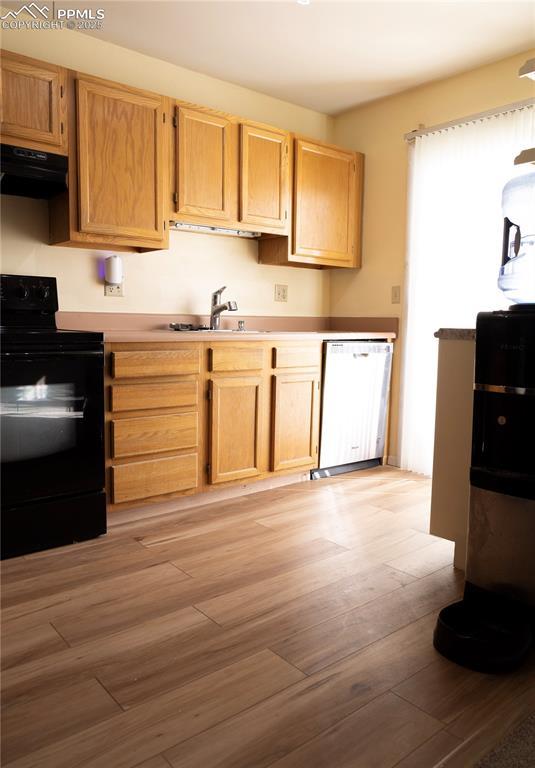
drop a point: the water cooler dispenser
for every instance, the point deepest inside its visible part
(492, 628)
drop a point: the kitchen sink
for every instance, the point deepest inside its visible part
(183, 327)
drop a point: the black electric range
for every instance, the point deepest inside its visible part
(52, 422)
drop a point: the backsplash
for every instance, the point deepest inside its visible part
(176, 281)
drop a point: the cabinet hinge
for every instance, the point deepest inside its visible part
(285, 214)
(175, 122)
(61, 91)
(61, 127)
(208, 394)
(208, 468)
(175, 197)
(164, 225)
(163, 116)
(316, 449)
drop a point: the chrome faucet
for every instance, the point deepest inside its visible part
(217, 308)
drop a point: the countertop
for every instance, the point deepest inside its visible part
(239, 336)
(456, 334)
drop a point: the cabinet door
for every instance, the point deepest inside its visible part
(264, 181)
(295, 420)
(205, 158)
(325, 204)
(32, 102)
(235, 420)
(120, 161)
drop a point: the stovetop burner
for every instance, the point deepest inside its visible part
(29, 305)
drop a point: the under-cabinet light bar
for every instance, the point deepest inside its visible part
(212, 230)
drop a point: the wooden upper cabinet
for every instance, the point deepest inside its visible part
(33, 104)
(206, 155)
(326, 211)
(264, 177)
(120, 161)
(327, 203)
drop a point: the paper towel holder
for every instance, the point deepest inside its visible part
(113, 275)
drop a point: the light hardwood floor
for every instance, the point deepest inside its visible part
(288, 628)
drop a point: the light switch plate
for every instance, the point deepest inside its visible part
(281, 292)
(110, 289)
(396, 294)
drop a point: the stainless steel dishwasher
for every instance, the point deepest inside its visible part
(356, 386)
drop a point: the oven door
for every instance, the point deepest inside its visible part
(52, 424)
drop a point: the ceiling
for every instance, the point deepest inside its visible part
(327, 55)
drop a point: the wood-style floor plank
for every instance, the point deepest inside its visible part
(132, 646)
(130, 737)
(287, 627)
(274, 728)
(22, 646)
(425, 560)
(358, 740)
(87, 566)
(463, 693)
(154, 762)
(346, 570)
(315, 647)
(31, 725)
(431, 752)
(134, 679)
(266, 553)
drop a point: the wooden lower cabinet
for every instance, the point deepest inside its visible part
(154, 423)
(156, 363)
(147, 479)
(184, 418)
(235, 422)
(296, 398)
(154, 434)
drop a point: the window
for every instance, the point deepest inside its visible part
(454, 252)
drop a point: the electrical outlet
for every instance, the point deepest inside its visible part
(110, 289)
(281, 292)
(396, 294)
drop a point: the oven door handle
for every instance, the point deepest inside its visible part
(55, 353)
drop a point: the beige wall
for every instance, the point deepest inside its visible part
(377, 129)
(181, 279)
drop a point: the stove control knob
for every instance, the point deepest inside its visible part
(22, 292)
(43, 292)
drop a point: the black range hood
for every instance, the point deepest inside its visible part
(32, 173)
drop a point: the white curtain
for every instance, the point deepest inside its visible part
(455, 231)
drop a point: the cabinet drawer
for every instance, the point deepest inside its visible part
(297, 357)
(244, 358)
(129, 365)
(153, 434)
(143, 479)
(138, 397)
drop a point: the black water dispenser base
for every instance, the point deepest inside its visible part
(484, 632)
